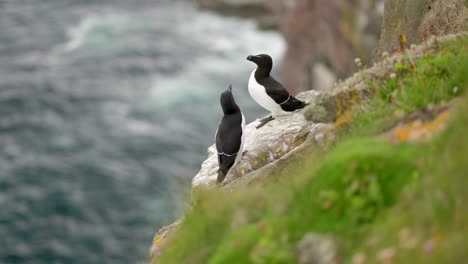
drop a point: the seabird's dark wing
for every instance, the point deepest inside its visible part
(229, 135)
(293, 104)
(225, 163)
(274, 89)
(281, 96)
(228, 142)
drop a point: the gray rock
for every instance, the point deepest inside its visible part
(317, 249)
(328, 106)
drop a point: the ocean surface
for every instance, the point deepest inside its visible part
(106, 111)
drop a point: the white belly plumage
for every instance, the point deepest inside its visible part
(241, 149)
(258, 93)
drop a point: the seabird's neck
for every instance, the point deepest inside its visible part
(262, 72)
(231, 109)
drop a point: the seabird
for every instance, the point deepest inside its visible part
(268, 92)
(229, 135)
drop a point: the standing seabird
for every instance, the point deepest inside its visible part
(230, 134)
(268, 92)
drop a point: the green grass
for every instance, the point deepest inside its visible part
(362, 190)
(431, 80)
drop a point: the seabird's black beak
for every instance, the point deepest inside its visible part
(254, 58)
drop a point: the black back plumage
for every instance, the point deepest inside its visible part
(273, 88)
(280, 95)
(229, 134)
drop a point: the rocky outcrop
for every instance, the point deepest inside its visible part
(417, 20)
(265, 145)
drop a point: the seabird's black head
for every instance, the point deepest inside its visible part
(263, 61)
(228, 103)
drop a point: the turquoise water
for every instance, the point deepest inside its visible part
(107, 108)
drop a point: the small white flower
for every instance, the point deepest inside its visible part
(319, 137)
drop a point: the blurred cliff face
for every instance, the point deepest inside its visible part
(418, 20)
(324, 38)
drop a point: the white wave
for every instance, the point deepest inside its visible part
(79, 34)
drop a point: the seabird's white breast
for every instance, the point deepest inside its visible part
(258, 93)
(241, 149)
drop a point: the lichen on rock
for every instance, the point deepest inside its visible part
(160, 238)
(327, 107)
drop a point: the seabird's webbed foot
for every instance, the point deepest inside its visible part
(264, 121)
(245, 152)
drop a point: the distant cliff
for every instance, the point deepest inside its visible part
(418, 20)
(267, 13)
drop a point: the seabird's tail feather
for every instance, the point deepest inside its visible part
(293, 104)
(221, 176)
(225, 164)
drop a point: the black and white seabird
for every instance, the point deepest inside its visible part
(268, 92)
(230, 134)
